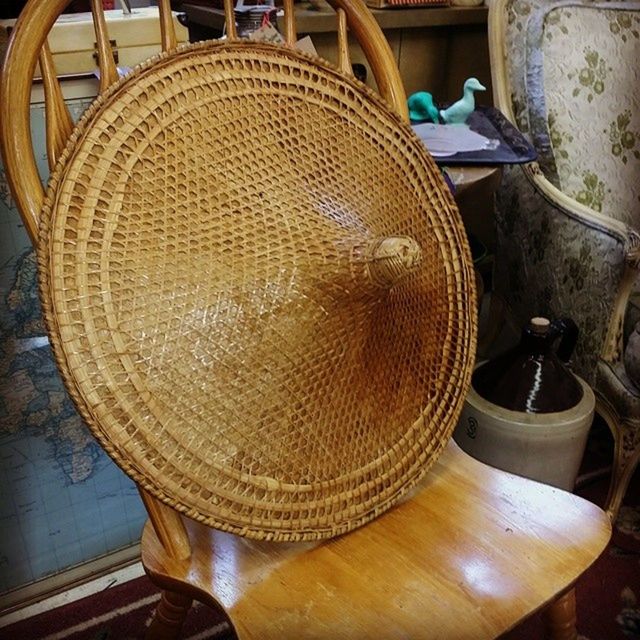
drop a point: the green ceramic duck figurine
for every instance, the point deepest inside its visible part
(421, 107)
(459, 111)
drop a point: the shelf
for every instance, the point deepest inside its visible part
(312, 21)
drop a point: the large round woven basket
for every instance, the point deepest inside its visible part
(258, 290)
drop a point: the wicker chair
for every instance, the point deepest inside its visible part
(567, 232)
(259, 295)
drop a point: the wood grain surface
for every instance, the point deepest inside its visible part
(470, 554)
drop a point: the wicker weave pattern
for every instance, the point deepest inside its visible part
(206, 260)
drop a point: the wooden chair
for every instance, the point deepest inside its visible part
(465, 551)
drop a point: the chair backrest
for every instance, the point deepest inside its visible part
(28, 46)
(563, 72)
(256, 284)
(568, 76)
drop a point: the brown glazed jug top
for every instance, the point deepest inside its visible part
(533, 377)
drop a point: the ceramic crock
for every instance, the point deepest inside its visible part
(526, 412)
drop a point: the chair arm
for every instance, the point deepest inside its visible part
(556, 257)
(612, 348)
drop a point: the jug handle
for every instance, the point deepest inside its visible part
(568, 329)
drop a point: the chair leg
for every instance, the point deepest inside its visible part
(625, 462)
(560, 617)
(626, 455)
(169, 617)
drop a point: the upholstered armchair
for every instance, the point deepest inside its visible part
(567, 75)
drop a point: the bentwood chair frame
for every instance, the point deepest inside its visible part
(473, 552)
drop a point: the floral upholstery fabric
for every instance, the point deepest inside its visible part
(592, 94)
(549, 264)
(574, 76)
(575, 91)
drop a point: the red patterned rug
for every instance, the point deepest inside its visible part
(608, 594)
(122, 612)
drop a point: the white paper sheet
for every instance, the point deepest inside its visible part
(448, 139)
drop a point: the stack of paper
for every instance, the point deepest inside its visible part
(448, 139)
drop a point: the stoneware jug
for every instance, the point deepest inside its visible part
(526, 412)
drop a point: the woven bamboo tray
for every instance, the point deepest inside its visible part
(258, 290)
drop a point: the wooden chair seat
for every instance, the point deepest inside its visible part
(470, 554)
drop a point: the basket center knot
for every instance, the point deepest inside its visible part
(392, 259)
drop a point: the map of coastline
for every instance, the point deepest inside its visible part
(63, 502)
